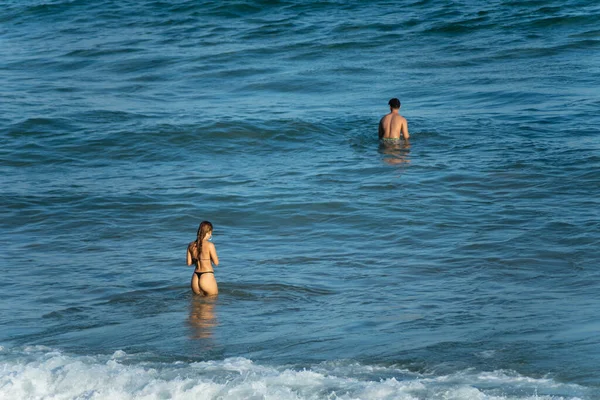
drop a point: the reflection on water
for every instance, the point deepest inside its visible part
(395, 152)
(202, 317)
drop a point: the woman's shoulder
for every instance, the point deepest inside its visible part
(191, 245)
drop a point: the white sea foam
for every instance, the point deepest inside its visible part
(39, 373)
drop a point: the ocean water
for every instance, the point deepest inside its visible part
(463, 265)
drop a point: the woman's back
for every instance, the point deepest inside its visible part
(202, 259)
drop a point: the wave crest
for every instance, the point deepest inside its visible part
(39, 372)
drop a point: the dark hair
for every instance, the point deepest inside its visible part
(204, 228)
(394, 103)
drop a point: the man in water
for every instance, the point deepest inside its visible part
(393, 125)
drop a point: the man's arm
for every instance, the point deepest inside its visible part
(404, 129)
(381, 132)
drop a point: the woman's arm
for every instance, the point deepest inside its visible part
(189, 256)
(213, 255)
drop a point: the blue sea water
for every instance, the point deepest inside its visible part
(463, 265)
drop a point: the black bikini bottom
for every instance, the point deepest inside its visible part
(199, 274)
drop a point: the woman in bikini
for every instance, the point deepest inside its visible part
(203, 255)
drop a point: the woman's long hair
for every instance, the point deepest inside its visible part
(203, 230)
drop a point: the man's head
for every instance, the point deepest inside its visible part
(394, 104)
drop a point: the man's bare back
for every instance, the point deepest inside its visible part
(393, 125)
